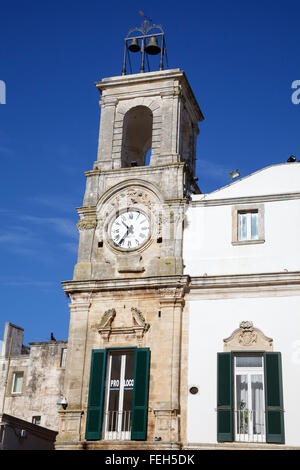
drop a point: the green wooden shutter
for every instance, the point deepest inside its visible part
(274, 398)
(224, 398)
(96, 395)
(140, 394)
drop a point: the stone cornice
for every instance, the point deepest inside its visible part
(246, 200)
(177, 286)
(148, 77)
(246, 280)
(110, 82)
(138, 170)
(86, 211)
(126, 284)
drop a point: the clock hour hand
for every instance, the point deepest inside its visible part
(129, 230)
(124, 236)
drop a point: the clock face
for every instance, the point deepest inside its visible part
(130, 229)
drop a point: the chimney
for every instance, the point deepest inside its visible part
(12, 340)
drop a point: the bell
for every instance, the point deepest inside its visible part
(152, 47)
(134, 45)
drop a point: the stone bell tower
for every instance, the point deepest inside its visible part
(152, 113)
(124, 365)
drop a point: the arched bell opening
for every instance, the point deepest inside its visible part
(137, 137)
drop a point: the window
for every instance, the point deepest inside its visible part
(63, 357)
(17, 382)
(118, 394)
(119, 391)
(249, 404)
(36, 420)
(250, 397)
(248, 224)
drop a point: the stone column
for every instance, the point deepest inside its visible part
(108, 109)
(167, 412)
(70, 418)
(86, 227)
(169, 151)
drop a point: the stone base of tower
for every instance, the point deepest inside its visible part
(118, 445)
(163, 433)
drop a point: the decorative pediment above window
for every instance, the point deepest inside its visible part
(247, 338)
(138, 326)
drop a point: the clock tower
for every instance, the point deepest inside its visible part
(126, 363)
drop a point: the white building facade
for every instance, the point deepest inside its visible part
(241, 252)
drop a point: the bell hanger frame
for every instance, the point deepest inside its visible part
(144, 29)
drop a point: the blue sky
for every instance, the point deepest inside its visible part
(240, 58)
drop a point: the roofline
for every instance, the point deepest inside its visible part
(248, 176)
(41, 343)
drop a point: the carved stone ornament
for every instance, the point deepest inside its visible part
(247, 337)
(168, 292)
(87, 224)
(130, 197)
(139, 319)
(107, 318)
(138, 326)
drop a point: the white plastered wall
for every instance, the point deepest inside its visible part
(208, 244)
(211, 321)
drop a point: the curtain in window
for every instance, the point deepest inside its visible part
(257, 403)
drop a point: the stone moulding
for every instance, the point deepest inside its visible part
(138, 328)
(247, 337)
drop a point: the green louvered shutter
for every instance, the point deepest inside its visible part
(224, 398)
(140, 394)
(96, 395)
(274, 398)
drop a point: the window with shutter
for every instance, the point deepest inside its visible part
(250, 398)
